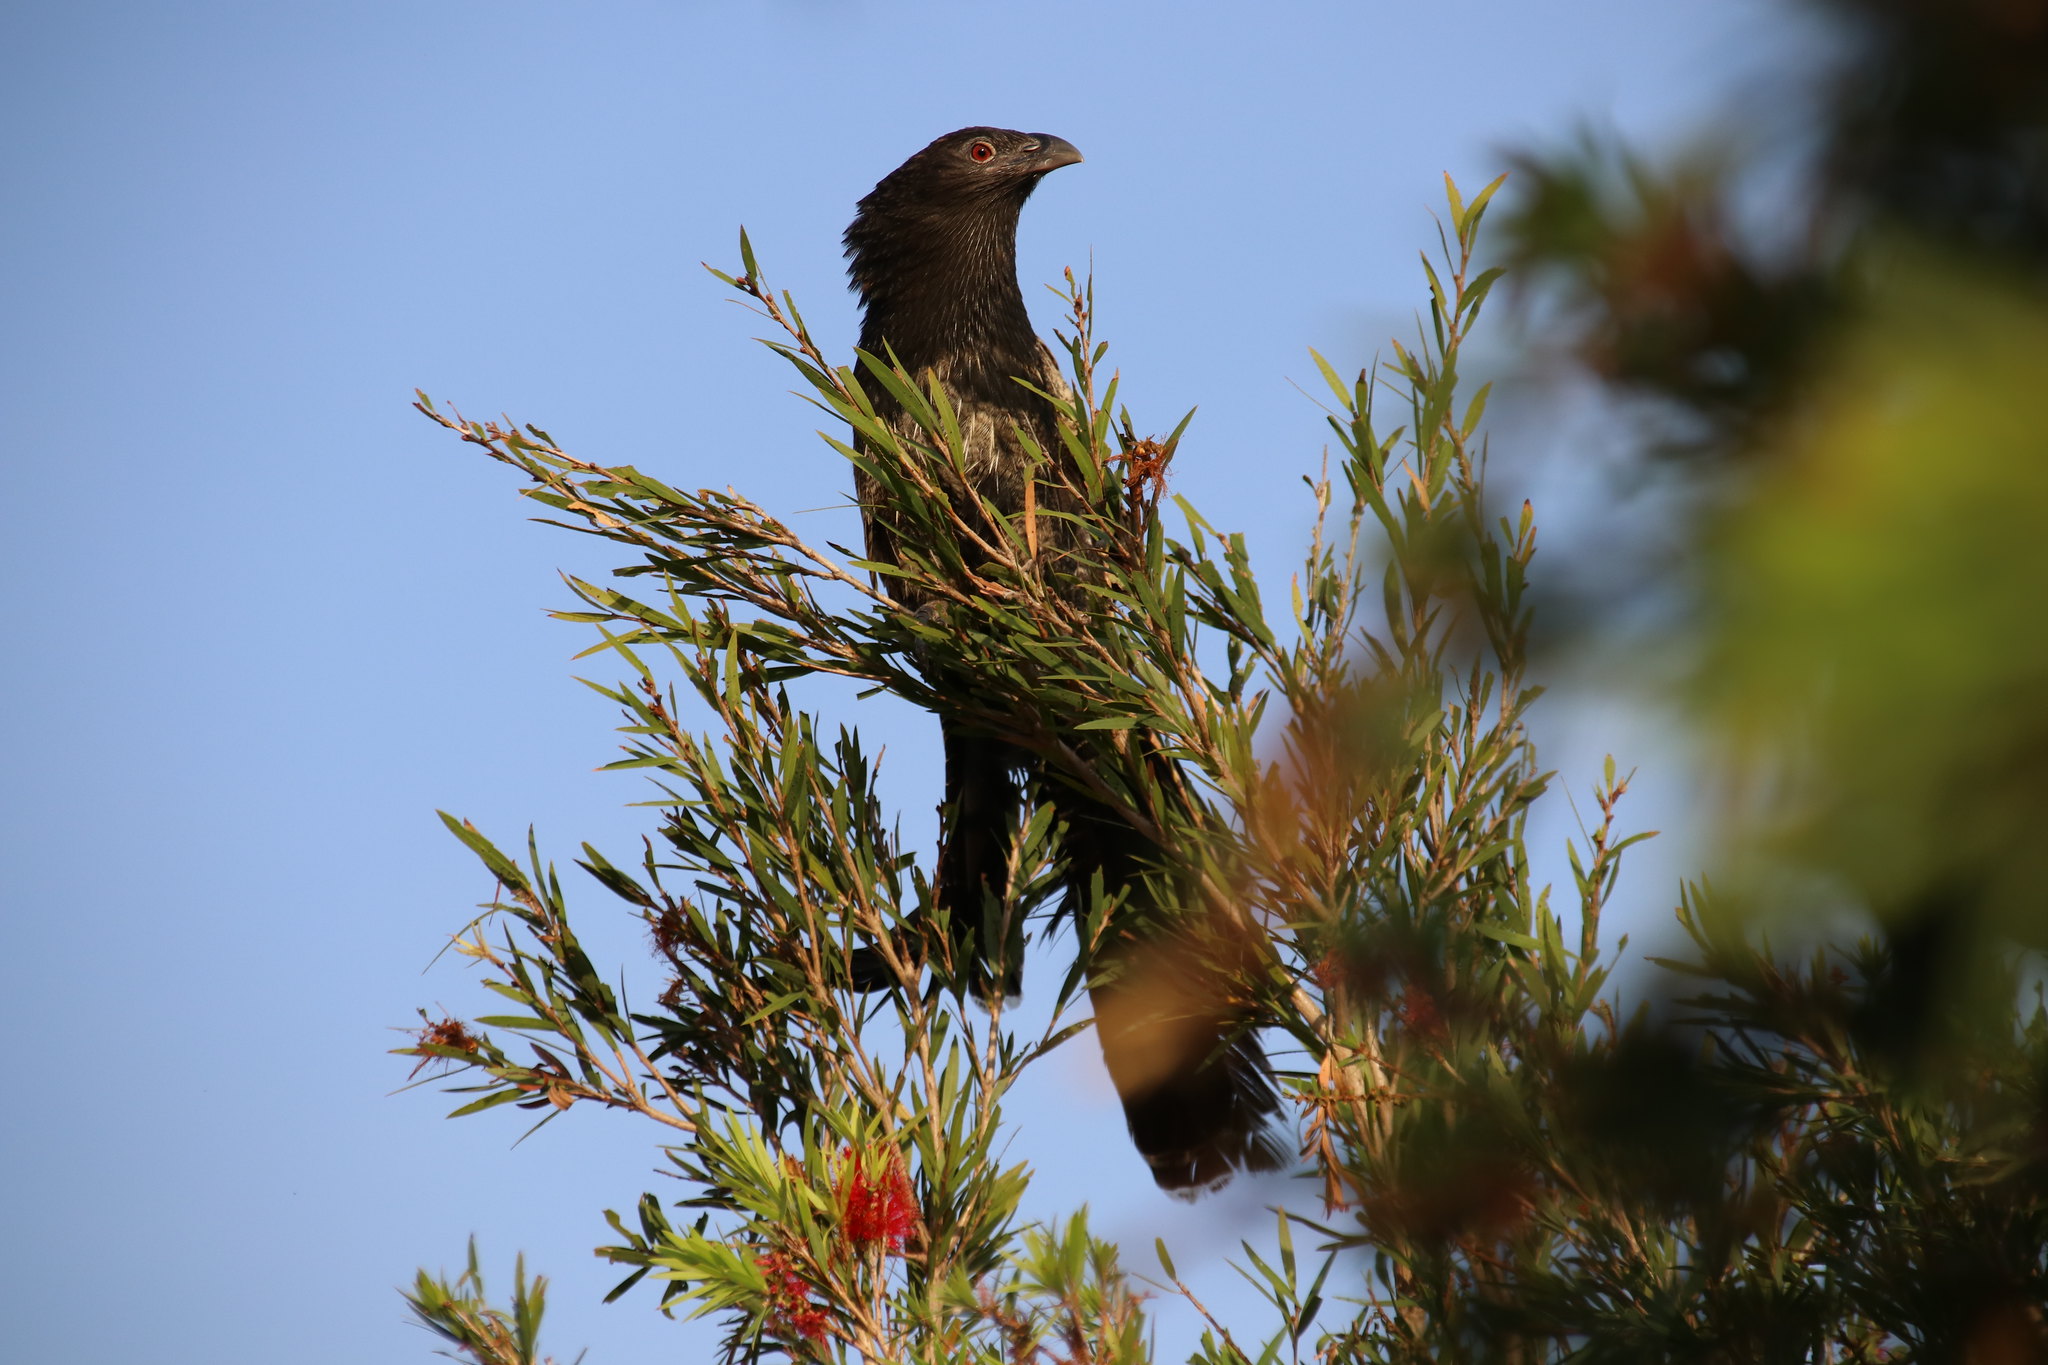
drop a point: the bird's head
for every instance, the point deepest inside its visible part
(967, 186)
(972, 167)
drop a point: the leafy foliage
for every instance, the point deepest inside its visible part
(458, 1312)
(1509, 1164)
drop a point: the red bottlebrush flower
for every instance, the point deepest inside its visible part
(808, 1323)
(1327, 971)
(1145, 470)
(1419, 1012)
(445, 1033)
(669, 928)
(877, 1208)
(791, 1313)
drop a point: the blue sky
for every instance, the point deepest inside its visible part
(265, 619)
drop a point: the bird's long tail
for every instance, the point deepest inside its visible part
(1170, 1011)
(1197, 1091)
(1176, 1032)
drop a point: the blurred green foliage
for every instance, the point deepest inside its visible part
(1880, 610)
(1855, 372)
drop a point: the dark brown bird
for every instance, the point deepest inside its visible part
(933, 256)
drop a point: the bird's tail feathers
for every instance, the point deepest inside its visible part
(1184, 1055)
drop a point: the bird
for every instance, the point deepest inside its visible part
(932, 255)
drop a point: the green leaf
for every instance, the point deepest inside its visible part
(1513, 938)
(503, 868)
(1336, 381)
(488, 1102)
(747, 259)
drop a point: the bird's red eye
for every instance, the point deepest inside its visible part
(982, 151)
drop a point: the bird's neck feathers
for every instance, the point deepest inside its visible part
(939, 286)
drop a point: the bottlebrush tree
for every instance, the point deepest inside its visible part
(1498, 1160)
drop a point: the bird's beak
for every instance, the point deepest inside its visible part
(1053, 153)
